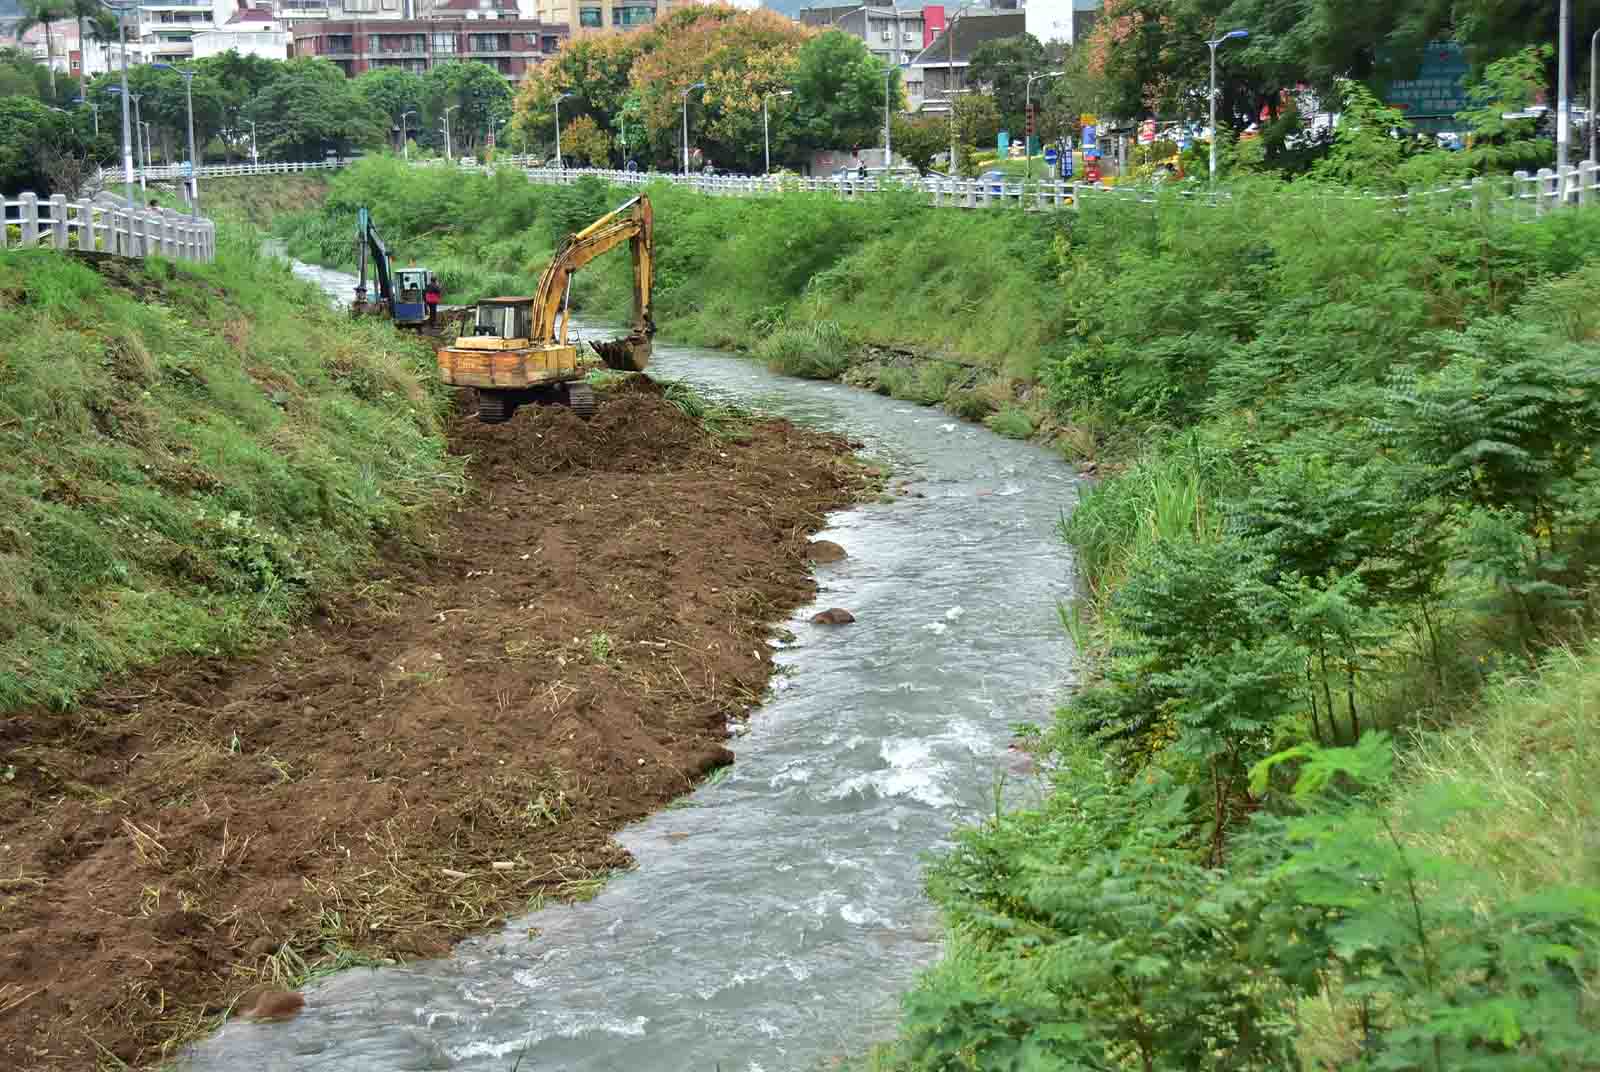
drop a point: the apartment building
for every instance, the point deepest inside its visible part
(499, 37)
(893, 34)
(940, 70)
(590, 15)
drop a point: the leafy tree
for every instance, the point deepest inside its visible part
(919, 140)
(477, 93)
(44, 13)
(838, 93)
(1004, 66)
(1366, 153)
(595, 69)
(22, 75)
(1508, 84)
(977, 119)
(312, 107)
(583, 142)
(741, 56)
(27, 128)
(393, 91)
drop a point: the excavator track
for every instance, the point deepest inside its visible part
(494, 407)
(580, 396)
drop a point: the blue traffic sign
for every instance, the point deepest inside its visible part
(1050, 155)
(1066, 164)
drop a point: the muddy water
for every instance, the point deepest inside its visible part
(775, 916)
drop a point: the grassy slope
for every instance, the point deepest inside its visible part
(189, 454)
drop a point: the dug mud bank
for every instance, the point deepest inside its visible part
(445, 746)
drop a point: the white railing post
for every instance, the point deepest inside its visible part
(28, 204)
(58, 220)
(85, 225)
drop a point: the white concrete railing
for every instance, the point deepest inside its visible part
(1529, 195)
(106, 225)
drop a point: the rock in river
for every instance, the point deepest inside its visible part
(824, 551)
(833, 616)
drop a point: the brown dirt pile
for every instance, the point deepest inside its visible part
(451, 744)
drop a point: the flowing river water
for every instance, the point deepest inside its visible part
(776, 915)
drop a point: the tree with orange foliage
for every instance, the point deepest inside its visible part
(594, 68)
(741, 56)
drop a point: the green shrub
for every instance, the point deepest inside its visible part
(817, 350)
(1012, 422)
(969, 405)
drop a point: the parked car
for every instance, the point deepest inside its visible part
(996, 180)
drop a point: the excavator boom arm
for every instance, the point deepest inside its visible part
(633, 223)
(367, 238)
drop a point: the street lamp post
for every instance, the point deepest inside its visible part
(686, 92)
(194, 161)
(1212, 100)
(888, 122)
(449, 153)
(405, 142)
(766, 138)
(1027, 110)
(145, 130)
(254, 156)
(559, 162)
(93, 107)
(142, 143)
(1594, 91)
(1563, 107)
(121, 11)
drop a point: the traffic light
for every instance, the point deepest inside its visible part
(1032, 110)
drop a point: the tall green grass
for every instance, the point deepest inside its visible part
(189, 454)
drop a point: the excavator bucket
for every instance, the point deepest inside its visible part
(631, 354)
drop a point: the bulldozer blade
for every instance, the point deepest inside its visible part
(631, 354)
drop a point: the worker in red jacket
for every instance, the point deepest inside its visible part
(431, 296)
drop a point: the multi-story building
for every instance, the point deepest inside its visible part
(507, 42)
(251, 32)
(893, 34)
(940, 70)
(590, 15)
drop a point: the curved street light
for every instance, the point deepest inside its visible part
(405, 142)
(1229, 36)
(560, 164)
(194, 162)
(121, 10)
(686, 92)
(449, 153)
(1027, 111)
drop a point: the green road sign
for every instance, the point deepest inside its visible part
(1431, 99)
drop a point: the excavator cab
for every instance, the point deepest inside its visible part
(516, 349)
(504, 318)
(410, 295)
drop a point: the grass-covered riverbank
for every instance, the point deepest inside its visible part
(192, 449)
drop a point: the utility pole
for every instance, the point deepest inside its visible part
(1594, 93)
(449, 154)
(405, 142)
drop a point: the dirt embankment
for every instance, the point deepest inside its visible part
(453, 742)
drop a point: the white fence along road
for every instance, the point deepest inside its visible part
(105, 224)
(1531, 195)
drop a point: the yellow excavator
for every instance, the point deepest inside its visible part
(516, 349)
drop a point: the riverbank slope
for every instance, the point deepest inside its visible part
(486, 648)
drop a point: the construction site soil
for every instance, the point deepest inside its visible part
(445, 748)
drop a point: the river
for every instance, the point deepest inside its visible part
(776, 915)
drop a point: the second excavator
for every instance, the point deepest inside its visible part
(516, 350)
